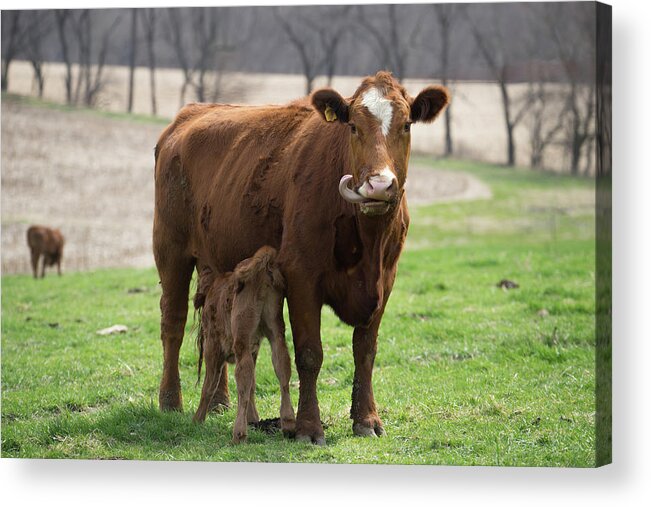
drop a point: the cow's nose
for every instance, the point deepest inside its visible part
(380, 187)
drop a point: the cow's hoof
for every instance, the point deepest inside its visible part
(219, 408)
(238, 439)
(318, 440)
(170, 401)
(288, 427)
(361, 430)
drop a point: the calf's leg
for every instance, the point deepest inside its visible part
(221, 399)
(252, 411)
(215, 365)
(243, 325)
(283, 369)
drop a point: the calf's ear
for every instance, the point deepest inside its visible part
(330, 105)
(429, 103)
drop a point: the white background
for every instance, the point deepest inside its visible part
(626, 482)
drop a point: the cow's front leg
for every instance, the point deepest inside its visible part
(363, 411)
(305, 318)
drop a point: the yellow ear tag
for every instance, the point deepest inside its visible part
(330, 114)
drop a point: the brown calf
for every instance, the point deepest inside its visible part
(239, 308)
(46, 242)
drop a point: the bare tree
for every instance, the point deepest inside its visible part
(446, 15)
(306, 43)
(90, 78)
(133, 44)
(149, 19)
(38, 28)
(329, 35)
(11, 42)
(208, 44)
(316, 32)
(394, 36)
(545, 120)
(577, 57)
(499, 54)
(174, 36)
(63, 21)
(199, 41)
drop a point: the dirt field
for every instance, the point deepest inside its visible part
(477, 121)
(92, 177)
(88, 175)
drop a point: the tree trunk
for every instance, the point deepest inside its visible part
(5, 72)
(576, 150)
(445, 52)
(40, 78)
(506, 105)
(448, 132)
(132, 57)
(152, 83)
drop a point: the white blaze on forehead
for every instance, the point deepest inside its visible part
(379, 106)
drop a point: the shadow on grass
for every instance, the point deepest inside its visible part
(143, 432)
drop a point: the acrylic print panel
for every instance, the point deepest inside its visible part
(432, 187)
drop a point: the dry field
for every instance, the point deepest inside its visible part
(477, 124)
(88, 175)
(92, 176)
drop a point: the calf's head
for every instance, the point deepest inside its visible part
(379, 117)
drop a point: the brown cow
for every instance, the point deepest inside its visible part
(238, 309)
(321, 180)
(46, 242)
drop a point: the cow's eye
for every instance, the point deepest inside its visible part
(407, 127)
(353, 128)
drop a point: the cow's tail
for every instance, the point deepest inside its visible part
(199, 345)
(206, 278)
(264, 260)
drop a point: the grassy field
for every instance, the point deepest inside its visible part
(466, 374)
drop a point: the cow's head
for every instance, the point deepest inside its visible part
(379, 116)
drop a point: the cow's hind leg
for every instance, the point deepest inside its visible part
(175, 275)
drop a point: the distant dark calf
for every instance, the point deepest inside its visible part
(46, 242)
(239, 308)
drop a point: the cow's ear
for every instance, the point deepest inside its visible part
(429, 103)
(330, 105)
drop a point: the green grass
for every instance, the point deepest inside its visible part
(466, 373)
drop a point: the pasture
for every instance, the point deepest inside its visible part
(467, 373)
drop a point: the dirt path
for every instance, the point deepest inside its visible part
(428, 186)
(92, 177)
